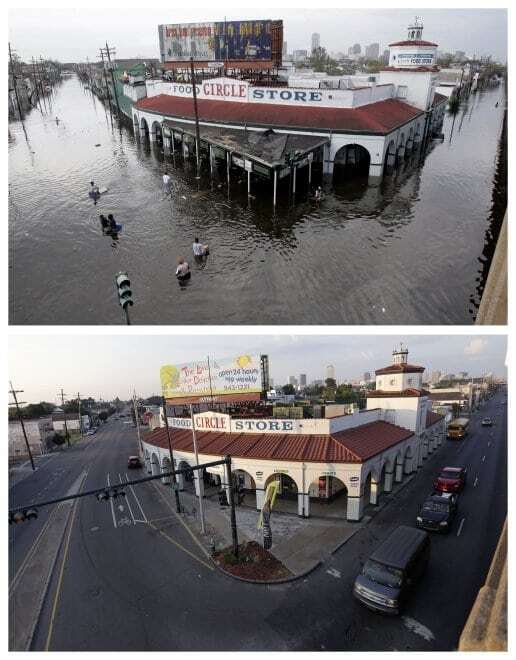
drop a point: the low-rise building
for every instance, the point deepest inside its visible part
(355, 457)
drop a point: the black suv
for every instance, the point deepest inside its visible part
(438, 512)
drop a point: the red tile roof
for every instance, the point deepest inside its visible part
(400, 369)
(377, 118)
(351, 446)
(371, 439)
(411, 391)
(432, 418)
(414, 42)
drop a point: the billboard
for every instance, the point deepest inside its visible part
(219, 41)
(236, 376)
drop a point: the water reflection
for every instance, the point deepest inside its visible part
(402, 252)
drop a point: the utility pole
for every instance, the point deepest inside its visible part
(108, 51)
(229, 479)
(36, 85)
(17, 404)
(105, 78)
(199, 475)
(38, 64)
(67, 435)
(80, 418)
(14, 76)
(197, 136)
(137, 420)
(174, 480)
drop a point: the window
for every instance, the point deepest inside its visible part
(410, 381)
(402, 91)
(392, 381)
(379, 382)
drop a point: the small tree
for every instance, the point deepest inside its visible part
(288, 389)
(103, 416)
(58, 439)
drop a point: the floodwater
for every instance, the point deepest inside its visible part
(407, 252)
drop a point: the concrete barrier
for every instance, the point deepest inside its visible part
(486, 627)
(493, 306)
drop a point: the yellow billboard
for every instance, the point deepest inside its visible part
(213, 377)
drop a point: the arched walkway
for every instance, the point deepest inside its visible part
(351, 161)
(147, 461)
(186, 482)
(286, 499)
(328, 497)
(155, 467)
(166, 466)
(408, 461)
(144, 129)
(157, 132)
(390, 158)
(245, 488)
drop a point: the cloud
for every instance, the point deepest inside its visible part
(475, 346)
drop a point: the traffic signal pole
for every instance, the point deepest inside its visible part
(174, 480)
(229, 478)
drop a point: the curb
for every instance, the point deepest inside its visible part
(341, 543)
(319, 562)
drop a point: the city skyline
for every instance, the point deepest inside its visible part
(111, 365)
(73, 34)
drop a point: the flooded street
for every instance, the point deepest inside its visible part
(407, 252)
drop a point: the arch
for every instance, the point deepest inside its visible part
(155, 467)
(390, 158)
(135, 120)
(187, 482)
(328, 497)
(408, 456)
(351, 161)
(245, 487)
(157, 132)
(144, 128)
(147, 461)
(366, 488)
(166, 466)
(288, 486)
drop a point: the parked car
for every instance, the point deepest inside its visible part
(450, 480)
(134, 462)
(487, 421)
(91, 431)
(438, 512)
(393, 569)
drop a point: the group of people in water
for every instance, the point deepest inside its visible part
(200, 252)
(109, 225)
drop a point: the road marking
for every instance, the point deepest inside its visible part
(194, 538)
(137, 500)
(128, 503)
(334, 572)
(112, 505)
(483, 458)
(29, 554)
(181, 547)
(476, 482)
(61, 572)
(418, 628)
(460, 526)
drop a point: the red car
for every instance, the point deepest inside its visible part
(134, 462)
(450, 480)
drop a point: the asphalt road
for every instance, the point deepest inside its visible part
(134, 578)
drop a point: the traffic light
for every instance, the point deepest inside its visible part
(110, 493)
(21, 516)
(123, 285)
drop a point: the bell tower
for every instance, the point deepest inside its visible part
(415, 30)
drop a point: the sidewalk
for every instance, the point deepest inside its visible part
(493, 306)
(299, 543)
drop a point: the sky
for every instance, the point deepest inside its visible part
(71, 35)
(105, 366)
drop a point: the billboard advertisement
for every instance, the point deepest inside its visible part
(217, 41)
(241, 375)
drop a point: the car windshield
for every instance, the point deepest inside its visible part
(386, 575)
(449, 475)
(437, 507)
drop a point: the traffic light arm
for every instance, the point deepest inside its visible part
(116, 490)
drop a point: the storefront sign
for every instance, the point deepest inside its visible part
(354, 480)
(409, 59)
(248, 165)
(238, 161)
(210, 421)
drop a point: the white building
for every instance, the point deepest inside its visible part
(37, 431)
(72, 422)
(330, 372)
(366, 129)
(316, 41)
(355, 457)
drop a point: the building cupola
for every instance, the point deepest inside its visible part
(415, 30)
